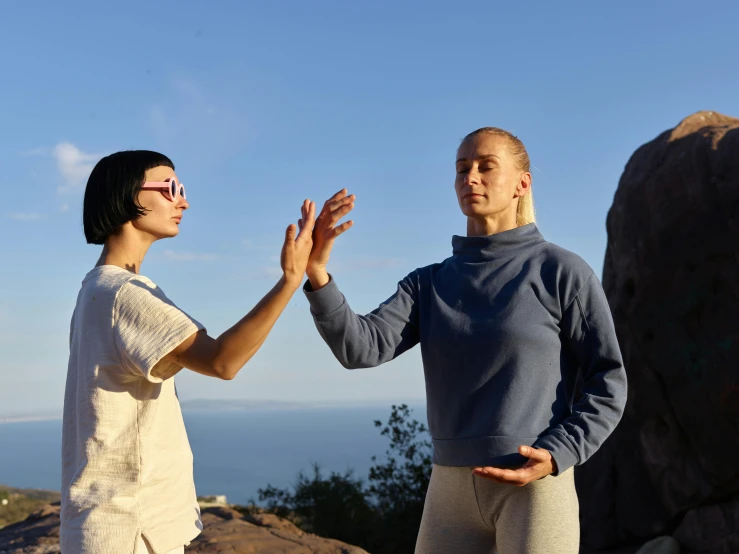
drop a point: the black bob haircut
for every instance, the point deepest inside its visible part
(112, 189)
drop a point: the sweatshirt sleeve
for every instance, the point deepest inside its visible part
(366, 340)
(588, 326)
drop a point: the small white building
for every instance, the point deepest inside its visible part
(213, 500)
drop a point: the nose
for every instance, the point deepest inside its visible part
(183, 204)
(472, 177)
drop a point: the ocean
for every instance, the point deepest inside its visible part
(235, 452)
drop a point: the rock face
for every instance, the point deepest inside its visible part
(224, 530)
(672, 279)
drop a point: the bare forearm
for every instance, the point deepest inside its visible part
(239, 343)
(225, 356)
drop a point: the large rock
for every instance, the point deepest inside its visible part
(711, 529)
(224, 530)
(672, 279)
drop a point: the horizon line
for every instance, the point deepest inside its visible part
(269, 404)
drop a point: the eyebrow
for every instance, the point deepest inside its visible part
(481, 158)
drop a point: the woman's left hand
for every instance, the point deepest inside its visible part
(540, 464)
(296, 251)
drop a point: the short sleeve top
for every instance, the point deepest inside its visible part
(126, 460)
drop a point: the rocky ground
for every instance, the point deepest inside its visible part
(225, 530)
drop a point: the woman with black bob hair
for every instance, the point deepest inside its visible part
(127, 475)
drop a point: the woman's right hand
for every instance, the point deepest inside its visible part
(324, 234)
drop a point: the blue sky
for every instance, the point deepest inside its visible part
(263, 104)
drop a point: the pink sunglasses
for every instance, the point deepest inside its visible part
(171, 188)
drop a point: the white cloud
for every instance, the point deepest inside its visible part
(25, 216)
(74, 165)
(188, 256)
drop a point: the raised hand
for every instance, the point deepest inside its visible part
(296, 251)
(540, 464)
(325, 232)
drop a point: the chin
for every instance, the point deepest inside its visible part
(473, 211)
(168, 234)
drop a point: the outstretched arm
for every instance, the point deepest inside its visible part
(356, 341)
(224, 356)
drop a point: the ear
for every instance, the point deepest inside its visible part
(524, 184)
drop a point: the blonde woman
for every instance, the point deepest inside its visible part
(506, 325)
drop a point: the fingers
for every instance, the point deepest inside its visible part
(333, 210)
(517, 477)
(480, 472)
(303, 211)
(311, 213)
(342, 202)
(536, 454)
(336, 196)
(338, 213)
(308, 220)
(307, 210)
(343, 227)
(290, 233)
(333, 204)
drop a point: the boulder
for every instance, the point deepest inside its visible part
(671, 276)
(660, 545)
(711, 529)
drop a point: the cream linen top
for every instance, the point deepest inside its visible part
(126, 461)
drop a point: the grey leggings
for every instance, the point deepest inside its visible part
(474, 515)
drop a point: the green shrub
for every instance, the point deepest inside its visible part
(382, 518)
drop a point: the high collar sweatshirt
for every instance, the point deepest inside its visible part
(518, 348)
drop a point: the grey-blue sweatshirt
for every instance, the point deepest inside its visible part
(505, 326)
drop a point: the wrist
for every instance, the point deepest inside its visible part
(291, 282)
(315, 270)
(318, 276)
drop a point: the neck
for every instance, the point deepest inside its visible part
(125, 249)
(491, 224)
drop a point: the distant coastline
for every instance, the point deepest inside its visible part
(28, 418)
(226, 405)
